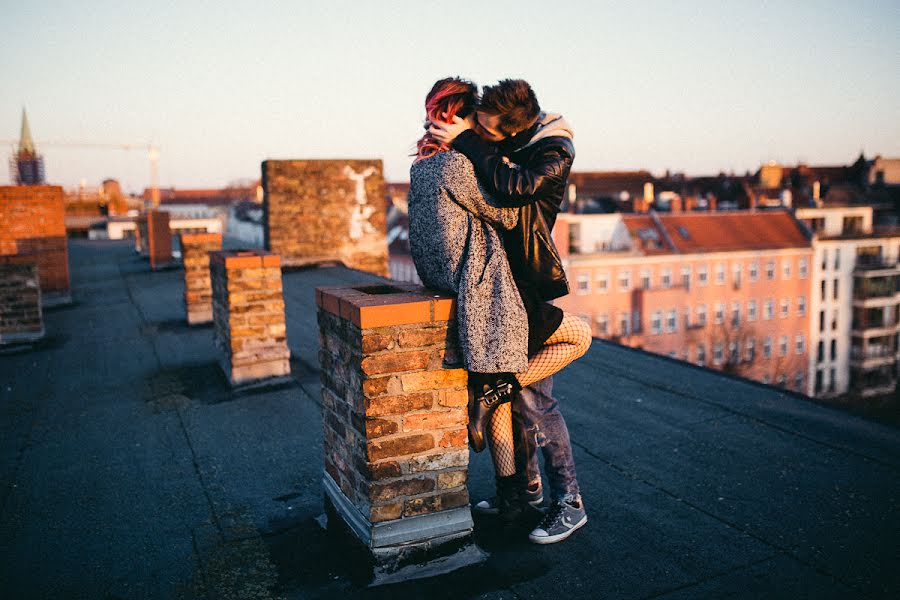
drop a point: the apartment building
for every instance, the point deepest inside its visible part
(725, 290)
(855, 302)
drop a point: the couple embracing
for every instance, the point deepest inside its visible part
(486, 185)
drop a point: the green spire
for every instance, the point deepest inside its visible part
(26, 144)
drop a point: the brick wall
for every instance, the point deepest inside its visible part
(20, 299)
(248, 314)
(394, 417)
(195, 249)
(319, 211)
(32, 220)
(159, 239)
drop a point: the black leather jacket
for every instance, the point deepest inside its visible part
(534, 179)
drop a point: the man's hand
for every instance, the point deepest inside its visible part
(447, 132)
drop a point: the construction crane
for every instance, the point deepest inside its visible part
(152, 154)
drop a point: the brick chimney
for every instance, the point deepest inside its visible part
(248, 314)
(195, 249)
(21, 318)
(396, 455)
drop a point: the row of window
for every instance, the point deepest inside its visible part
(745, 351)
(699, 356)
(837, 259)
(667, 321)
(667, 276)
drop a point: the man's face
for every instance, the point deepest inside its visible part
(488, 127)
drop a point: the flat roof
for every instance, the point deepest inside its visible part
(131, 470)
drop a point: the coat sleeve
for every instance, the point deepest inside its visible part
(511, 184)
(463, 188)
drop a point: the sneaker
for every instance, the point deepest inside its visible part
(533, 495)
(562, 519)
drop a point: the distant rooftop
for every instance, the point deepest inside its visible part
(129, 469)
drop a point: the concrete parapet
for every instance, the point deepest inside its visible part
(396, 455)
(195, 249)
(248, 315)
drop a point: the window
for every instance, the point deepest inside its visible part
(720, 273)
(666, 278)
(766, 379)
(770, 269)
(603, 324)
(801, 306)
(584, 284)
(686, 277)
(802, 270)
(835, 289)
(702, 275)
(672, 321)
(831, 380)
(785, 307)
(800, 343)
(751, 310)
(819, 376)
(833, 349)
(656, 322)
(798, 382)
(734, 355)
(718, 353)
(824, 295)
(750, 350)
(824, 259)
(602, 282)
(786, 268)
(735, 314)
(636, 320)
(624, 324)
(822, 320)
(736, 274)
(687, 317)
(701, 315)
(625, 280)
(820, 352)
(837, 259)
(782, 381)
(645, 279)
(720, 313)
(834, 319)
(701, 355)
(769, 309)
(754, 271)
(782, 346)
(767, 347)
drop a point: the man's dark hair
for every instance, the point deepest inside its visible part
(514, 101)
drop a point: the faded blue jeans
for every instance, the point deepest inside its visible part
(539, 424)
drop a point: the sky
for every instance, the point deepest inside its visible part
(696, 87)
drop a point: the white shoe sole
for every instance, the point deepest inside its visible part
(552, 539)
(493, 510)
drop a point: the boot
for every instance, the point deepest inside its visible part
(487, 393)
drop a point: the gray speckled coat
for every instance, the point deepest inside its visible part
(456, 249)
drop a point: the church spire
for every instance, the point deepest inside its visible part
(26, 144)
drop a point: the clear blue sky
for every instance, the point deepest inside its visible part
(220, 86)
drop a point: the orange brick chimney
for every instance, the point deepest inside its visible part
(396, 455)
(195, 249)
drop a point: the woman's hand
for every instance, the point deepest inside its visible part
(445, 133)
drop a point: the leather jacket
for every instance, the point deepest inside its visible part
(532, 178)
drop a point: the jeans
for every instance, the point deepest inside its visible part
(539, 424)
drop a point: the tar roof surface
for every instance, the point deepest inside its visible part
(129, 470)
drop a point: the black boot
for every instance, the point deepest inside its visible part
(488, 391)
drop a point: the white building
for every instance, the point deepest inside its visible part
(854, 303)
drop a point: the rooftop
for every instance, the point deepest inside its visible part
(130, 470)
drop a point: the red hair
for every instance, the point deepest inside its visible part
(448, 98)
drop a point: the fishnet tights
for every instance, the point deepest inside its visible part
(568, 343)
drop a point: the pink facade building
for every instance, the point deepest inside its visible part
(728, 291)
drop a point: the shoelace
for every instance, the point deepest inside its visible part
(553, 515)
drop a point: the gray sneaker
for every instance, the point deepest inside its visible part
(562, 519)
(533, 495)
